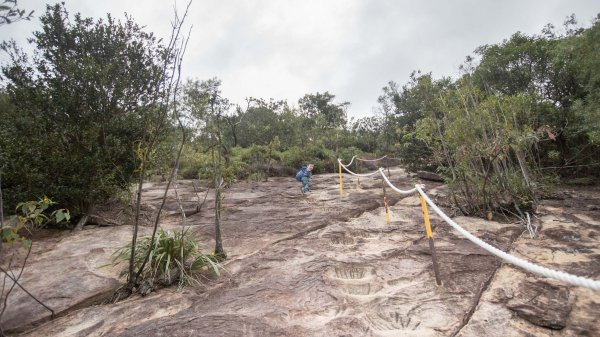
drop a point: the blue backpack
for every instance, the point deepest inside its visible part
(301, 173)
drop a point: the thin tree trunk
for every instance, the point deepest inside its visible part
(131, 278)
(526, 175)
(172, 88)
(218, 195)
(1, 214)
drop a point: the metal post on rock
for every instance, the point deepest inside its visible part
(430, 239)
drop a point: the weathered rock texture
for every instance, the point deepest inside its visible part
(520, 304)
(66, 272)
(321, 266)
(432, 176)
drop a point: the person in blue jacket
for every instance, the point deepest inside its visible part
(304, 176)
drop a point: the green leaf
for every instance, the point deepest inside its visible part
(27, 244)
(59, 216)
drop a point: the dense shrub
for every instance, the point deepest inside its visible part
(81, 107)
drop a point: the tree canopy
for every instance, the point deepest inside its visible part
(523, 114)
(80, 104)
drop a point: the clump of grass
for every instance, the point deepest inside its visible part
(173, 257)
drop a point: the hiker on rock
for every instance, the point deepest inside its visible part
(304, 176)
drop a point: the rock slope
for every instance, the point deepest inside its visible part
(324, 266)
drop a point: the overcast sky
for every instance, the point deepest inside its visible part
(284, 49)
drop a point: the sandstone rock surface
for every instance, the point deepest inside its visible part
(321, 265)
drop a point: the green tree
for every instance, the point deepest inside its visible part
(412, 102)
(319, 107)
(557, 69)
(9, 12)
(205, 104)
(81, 104)
(262, 121)
(324, 119)
(367, 132)
(583, 128)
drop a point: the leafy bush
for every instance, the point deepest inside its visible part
(80, 105)
(31, 213)
(345, 154)
(194, 163)
(294, 157)
(323, 158)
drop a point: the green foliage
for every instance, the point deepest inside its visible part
(10, 13)
(348, 152)
(10, 235)
(483, 141)
(530, 103)
(194, 162)
(562, 71)
(261, 123)
(32, 213)
(321, 110)
(323, 158)
(403, 109)
(90, 90)
(174, 257)
(294, 157)
(584, 127)
(368, 134)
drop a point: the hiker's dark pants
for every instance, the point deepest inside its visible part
(305, 184)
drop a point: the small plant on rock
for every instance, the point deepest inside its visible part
(172, 257)
(32, 213)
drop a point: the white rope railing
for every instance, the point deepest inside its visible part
(356, 174)
(531, 267)
(350, 163)
(366, 160)
(534, 268)
(385, 178)
(372, 160)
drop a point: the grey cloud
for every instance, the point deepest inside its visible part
(351, 48)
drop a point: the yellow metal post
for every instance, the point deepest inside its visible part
(387, 210)
(426, 217)
(430, 239)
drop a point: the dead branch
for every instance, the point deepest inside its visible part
(200, 204)
(175, 80)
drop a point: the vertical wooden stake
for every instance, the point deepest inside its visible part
(341, 183)
(385, 203)
(430, 239)
(357, 171)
